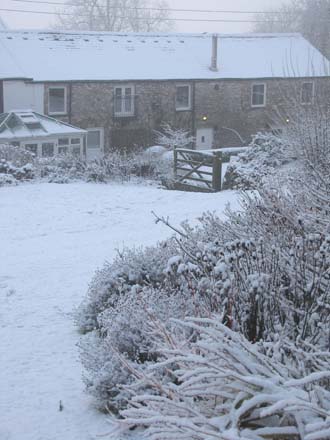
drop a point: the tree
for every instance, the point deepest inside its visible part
(115, 15)
(311, 18)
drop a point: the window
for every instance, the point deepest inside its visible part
(258, 98)
(124, 101)
(307, 93)
(63, 141)
(76, 151)
(33, 148)
(57, 101)
(95, 140)
(47, 149)
(75, 141)
(182, 99)
(63, 150)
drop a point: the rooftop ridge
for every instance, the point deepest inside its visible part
(151, 34)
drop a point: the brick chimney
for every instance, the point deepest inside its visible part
(214, 59)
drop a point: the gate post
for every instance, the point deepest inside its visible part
(216, 171)
(175, 163)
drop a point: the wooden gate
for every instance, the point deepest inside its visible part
(197, 170)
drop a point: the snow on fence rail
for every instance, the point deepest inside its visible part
(197, 170)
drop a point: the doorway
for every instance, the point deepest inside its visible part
(204, 138)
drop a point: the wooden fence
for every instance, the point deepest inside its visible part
(197, 170)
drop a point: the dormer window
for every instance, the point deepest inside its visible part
(57, 101)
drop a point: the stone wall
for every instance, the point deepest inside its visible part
(225, 104)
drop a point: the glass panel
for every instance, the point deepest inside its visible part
(94, 139)
(118, 100)
(182, 97)
(63, 150)
(63, 141)
(128, 99)
(57, 100)
(47, 149)
(258, 94)
(33, 148)
(76, 151)
(75, 141)
(307, 93)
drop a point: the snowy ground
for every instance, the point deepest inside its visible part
(52, 238)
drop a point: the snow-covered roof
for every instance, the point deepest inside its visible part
(23, 124)
(94, 56)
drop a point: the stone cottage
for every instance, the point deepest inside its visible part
(122, 87)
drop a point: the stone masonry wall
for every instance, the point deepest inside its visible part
(226, 105)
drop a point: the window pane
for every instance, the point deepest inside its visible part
(32, 147)
(94, 139)
(57, 100)
(258, 94)
(128, 100)
(182, 97)
(76, 151)
(307, 93)
(63, 150)
(75, 141)
(118, 100)
(47, 149)
(63, 141)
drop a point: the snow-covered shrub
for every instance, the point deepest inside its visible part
(265, 155)
(7, 179)
(17, 156)
(266, 290)
(174, 137)
(61, 168)
(264, 271)
(16, 162)
(218, 385)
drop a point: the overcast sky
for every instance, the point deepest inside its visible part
(24, 20)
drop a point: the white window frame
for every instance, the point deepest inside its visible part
(313, 93)
(64, 112)
(182, 109)
(265, 94)
(123, 114)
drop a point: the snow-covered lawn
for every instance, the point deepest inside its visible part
(52, 239)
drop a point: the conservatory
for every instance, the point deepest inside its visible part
(42, 135)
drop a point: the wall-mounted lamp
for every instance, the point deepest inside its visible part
(204, 118)
(287, 120)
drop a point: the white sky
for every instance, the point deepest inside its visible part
(24, 20)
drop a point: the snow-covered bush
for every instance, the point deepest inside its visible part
(114, 315)
(61, 168)
(7, 179)
(174, 137)
(17, 156)
(264, 271)
(15, 162)
(218, 385)
(271, 285)
(267, 153)
(115, 166)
